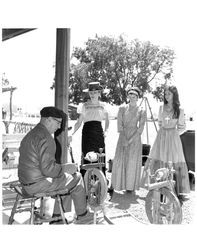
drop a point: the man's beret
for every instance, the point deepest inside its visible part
(52, 112)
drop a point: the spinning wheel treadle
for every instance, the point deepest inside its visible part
(96, 187)
(169, 209)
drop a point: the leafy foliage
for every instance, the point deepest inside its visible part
(119, 64)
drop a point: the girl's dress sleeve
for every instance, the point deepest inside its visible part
(142, 121)
(120, 120)
(181, 126)
(105, 110)
(80, 108)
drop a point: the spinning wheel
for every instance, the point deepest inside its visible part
(163, 207)
(96, 183)
(96, 187)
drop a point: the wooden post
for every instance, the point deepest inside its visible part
(61, 88)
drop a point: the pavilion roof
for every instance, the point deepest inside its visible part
(10, 33)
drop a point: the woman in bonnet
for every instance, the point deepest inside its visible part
(92, 113)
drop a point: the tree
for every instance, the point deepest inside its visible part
(118, 64)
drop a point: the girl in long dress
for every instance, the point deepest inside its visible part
(167, 146)
(92, 113)
(127, 163)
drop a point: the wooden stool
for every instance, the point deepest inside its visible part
(37, 214)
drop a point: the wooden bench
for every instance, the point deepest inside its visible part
(37, 215)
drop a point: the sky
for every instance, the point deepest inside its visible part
(28, 59)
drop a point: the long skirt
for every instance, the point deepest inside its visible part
(92, 140)
(127, 164)
(168, 148)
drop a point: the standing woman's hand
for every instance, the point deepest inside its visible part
(105, 133)
(134, 136)
(125, 142)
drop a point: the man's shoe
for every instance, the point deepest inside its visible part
(129, 191)
(87, 219)
(57, 222)
(182, 198)
(110, 192)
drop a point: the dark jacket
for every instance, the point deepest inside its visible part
(37, 156)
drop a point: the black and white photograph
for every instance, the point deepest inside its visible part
(98, 122)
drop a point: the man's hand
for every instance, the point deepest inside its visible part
(69, 140)
(70, 168)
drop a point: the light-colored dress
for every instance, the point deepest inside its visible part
(168, 148)
(127, 162)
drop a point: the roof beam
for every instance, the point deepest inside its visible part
(10, 33)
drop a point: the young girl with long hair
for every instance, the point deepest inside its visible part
(167, 146)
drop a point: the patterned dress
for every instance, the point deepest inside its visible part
(168, 147)
(127, 163)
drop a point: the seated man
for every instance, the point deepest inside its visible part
(38, 170)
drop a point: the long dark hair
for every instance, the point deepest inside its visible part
(175, 101)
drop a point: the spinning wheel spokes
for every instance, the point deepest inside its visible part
(96, 187)
(165, 209)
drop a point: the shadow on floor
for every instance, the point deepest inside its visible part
(123, 200)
